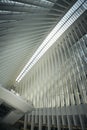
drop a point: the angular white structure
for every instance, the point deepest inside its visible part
(18, 104)
(43, 58)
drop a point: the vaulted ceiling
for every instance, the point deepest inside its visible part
(24, 24)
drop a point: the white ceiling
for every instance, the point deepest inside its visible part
(24, 24)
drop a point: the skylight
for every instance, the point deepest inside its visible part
(69, 18)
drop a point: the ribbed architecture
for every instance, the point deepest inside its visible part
(57, 83)
(24, 24)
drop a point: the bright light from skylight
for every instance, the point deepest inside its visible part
(70, 17)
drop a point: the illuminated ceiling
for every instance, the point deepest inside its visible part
(24, 24)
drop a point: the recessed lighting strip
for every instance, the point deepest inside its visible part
(69, 18)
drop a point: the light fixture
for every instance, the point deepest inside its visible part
(69, 18)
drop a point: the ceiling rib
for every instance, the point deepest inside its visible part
(24, 24)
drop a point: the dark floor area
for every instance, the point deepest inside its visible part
(6, 127)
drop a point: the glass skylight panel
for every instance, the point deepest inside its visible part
(85, 4)
(69, 18)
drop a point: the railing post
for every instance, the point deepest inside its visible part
(25, 121)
